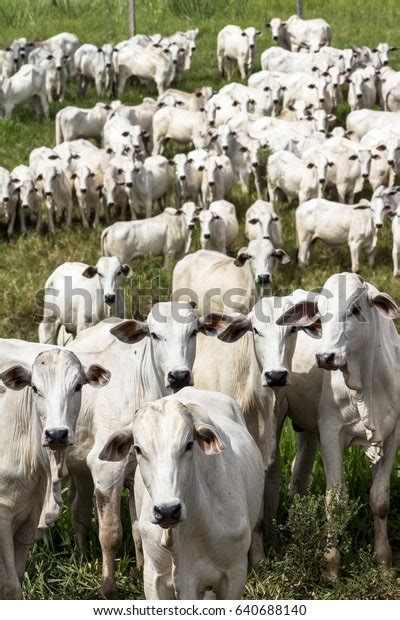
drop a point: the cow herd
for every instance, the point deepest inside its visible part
(186, 408)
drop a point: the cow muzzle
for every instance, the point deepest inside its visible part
(167, 515)
(277, 378)
(177, 379)
(109, 298)
(264, 278)
(56, 438)
(327, 361)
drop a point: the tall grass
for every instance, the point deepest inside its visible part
(55, 569)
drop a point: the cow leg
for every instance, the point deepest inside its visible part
(272, 464)
(355, 256)
(10, 587)
(371, 258)
(380, 496)
(81, 502)
(244, 178)
(52, 228)
(332, 448)
(307, 446)
(221, 64)
(85, 222)
(48, 331)
(21, 215)
(232, 584)
(396, 260)
(257, 182)
(39, 219)
(137, 539)
(304, 242)
(256, 552)
(44, 104)
(11, 223)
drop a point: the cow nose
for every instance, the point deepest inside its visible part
(275, 38)
(56, 437)
(182, 177)
(359, 95)
(390, 162)
(48, 194)
(265, 278)
(211, 123)
(385, 62)
(275, 101)
(225, 147)
(83, 190)
(191, 226)
(109, 298)
(167, 513)
(378, 225)
(255, 164)
(108, 65)
(322, 181)
(321, 99)
(110, 205)
(211, 183)
(129, 184)
(25, 205)
(276, 378)
(179, 378)
(6, 199)
(58, 68)
(365, 175)
(325, 360)
(207, 236)
(175, 62)
(252, 45)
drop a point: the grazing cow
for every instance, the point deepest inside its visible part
(218, 179)
(360, 402)
(215, 281)
(182, 449)
(147, 183)
(262, 222)
(295, 33)
(28, 83)
(237, 46)
(183, 126)
(335, 224)
(73, 123)
(148, 360)
(94, 64)
(41, 399)
(362, 89)
(78, 296)
(165, 234)
(189, 175)
(27, 195)
(296, 178)
(219, 227)
(148, 65)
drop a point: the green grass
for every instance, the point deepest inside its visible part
(55, 569)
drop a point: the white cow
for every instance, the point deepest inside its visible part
(87, 179)
(124, 138)
(114, 191)
(28, 83)
(296, 178)
(362, 89)
(165, 234)
(55, 68)
(219, 227)
(8, 199)
(263, 222)
(218, 179)
(295, 33)
(336, 224)
(52, 178)
(73, 123)
(183, 445)
(360, 402)
(189, 175)
(27, 194)
(94, 64)
(277, 59)
(7, 66)
(41, 399)
(147, 183)
(187, 101)
(148, 65)
(183, 126)
(237, 46)
(215, 281)
(78, 296)
(360, 122)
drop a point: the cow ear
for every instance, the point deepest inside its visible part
(99, 49)
(281, 256)
(393, 48)
(89, 272)
(49, 57)
(127, 271)
(208, 439)
(242, 257)
(16, 377)
(117, 446)
(39, 177)
(97, 376)
(244, 34)
(130, 331)
(385, 305)
(302, 314)
(226, 328)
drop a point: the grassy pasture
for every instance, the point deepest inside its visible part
(55, 569)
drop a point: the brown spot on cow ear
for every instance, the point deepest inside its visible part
(117, 447)
(208, 439)
(97, 376)
(89, 272)
(130, 331)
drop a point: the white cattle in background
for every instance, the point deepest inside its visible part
(54, 184)
(124, 138)
(183, 126)
(8, 199)
(336, 224)
(7, 66)
(54, 66)
(165, 234)
(199, 437)
(362, 89)
(147, 182)
(360, 122)
(296, 178)
(72, 122)
(218, 179)
(94, 64)
(296, 33)
(150, 66)
(277, 59)
(236, 46)
(78, 296)
(187, 101)
(27, 196)
(262, 221)
(25, 85)
(219, 226)
(189, 175)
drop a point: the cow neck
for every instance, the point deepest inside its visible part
(370, 375)
(150, 384)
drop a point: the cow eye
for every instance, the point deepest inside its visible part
(189, 446)
(78, 387)
(194, 333)
(153, 335)
(292, 330)
(137, 450)
(257, 333)
(34, 389)
(355, 310)
(253, 221)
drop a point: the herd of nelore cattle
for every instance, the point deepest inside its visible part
(186, 408)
